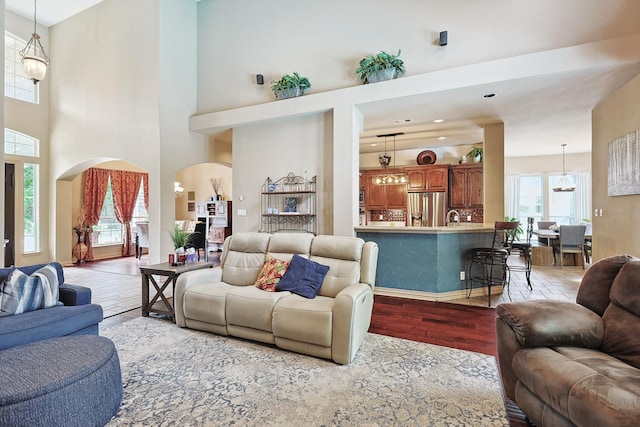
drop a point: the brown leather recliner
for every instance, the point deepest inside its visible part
(570, 364)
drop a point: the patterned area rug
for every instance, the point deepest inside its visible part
(178, 377)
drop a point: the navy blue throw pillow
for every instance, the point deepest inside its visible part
(303, 277)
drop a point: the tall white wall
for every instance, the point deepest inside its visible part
(33, 120)
(325, 40)
(122, 87)
(273, 150)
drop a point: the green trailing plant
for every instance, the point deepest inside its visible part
(475, 152)
(379, 62)
(179, 237)
(517, 232)
(290, 81)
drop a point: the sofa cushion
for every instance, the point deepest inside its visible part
(593, 292)
(284, 245)
(304, 320)
(251, 307)
(343, 255)
(270, 274)
(22, 292)
(303, 277)
(244, 258)
(48, 323)
(622, 316)
(206, 302)
(588, 387)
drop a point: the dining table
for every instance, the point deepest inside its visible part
(549, 237)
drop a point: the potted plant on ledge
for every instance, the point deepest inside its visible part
(475, 155)
(290, 86)
(383, 66)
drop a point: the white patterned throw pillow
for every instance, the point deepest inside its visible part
(22, 293)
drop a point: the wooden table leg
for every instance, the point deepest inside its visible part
(145, 295)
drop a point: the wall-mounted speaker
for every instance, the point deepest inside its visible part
(259, 79)
(443, 38)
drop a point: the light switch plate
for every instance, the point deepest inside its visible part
(242, 212)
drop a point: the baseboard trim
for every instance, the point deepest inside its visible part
(436, 296)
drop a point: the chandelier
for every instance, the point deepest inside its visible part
(34, 60)
(564, 183)
(393, 177)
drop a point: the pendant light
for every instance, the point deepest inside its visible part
(564, 184)
(34, 59)
(390, 178)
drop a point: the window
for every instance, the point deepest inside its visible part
(530, 203)
(16, 83)
(31, 217)
(561, 204)
(20, 144)
(533, 196)
(109, 231)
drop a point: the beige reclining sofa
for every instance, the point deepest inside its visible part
(332, 325)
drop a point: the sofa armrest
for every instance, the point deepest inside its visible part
(541, 323)
(188, 279)
(74, 294)
(351, 320)
(552, 323)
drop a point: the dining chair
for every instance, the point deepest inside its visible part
(524, 247)
(142, 237)
(544, 225)
(198, 239)
(490, 263)
(571, 241)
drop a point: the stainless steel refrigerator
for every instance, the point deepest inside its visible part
(426, 209)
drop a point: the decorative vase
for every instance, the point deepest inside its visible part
(79, 250)
(381, 75)
(180, 255)
(291, 92)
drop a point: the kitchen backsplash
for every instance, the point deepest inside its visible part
(400, 215)
(477, 215)
(394, 215)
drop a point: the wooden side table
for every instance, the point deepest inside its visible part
(160, 303)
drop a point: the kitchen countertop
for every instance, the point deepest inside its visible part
(456, 229)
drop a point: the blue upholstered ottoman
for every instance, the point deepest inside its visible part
(66, 381)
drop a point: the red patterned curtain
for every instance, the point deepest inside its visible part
(145, 187)
(125, 186)
(95, 188)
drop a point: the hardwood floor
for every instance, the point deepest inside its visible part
(466, 324)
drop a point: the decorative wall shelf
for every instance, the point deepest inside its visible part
(289, 204)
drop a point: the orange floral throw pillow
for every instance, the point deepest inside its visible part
(270, 274)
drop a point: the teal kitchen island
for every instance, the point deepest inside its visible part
(426, 262)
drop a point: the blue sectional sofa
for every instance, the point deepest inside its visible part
(76, 317)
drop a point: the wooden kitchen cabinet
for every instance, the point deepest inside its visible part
(396, 196)
(416, 180)
(466, 187)
(380, 197)
(427, 178)
(437, 178)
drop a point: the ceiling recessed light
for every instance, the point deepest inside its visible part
(489, 95)
(442, 137)
(374, 145)
(438, 121)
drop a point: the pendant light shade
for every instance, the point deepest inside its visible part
(389, 178)
(564, 184)
(34, 60)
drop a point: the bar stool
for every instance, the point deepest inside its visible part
(525, 249)
(491, 263)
